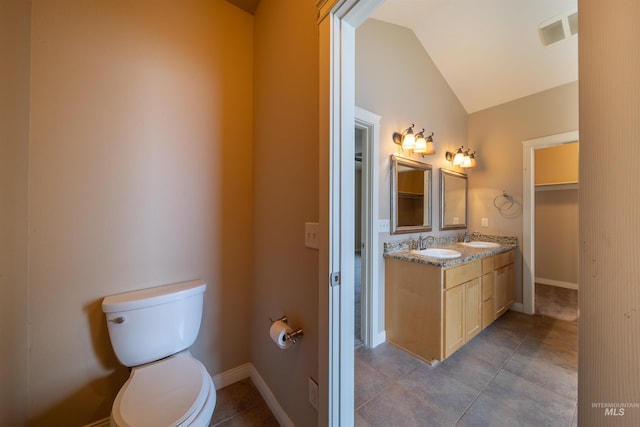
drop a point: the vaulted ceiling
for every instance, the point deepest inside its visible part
(489, 51)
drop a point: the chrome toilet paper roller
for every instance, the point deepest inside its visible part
(282, 334)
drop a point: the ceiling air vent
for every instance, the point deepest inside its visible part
(559, 27)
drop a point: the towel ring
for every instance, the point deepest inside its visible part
(504, 201)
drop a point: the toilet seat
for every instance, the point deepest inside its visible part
(170, 392)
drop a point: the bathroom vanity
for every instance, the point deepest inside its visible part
(433, 306)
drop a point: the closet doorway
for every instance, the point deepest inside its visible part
(366, 249)
(552, 187)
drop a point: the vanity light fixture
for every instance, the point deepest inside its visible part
(406, 139)
(464, 158)
(416, 143)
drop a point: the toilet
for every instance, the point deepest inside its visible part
(151, 331)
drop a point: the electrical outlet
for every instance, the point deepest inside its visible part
(485, 222)
(311, 235)
(313, 393)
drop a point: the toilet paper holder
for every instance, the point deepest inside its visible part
(291, 336)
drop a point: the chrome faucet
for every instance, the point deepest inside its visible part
(423, 241)
(466, 237)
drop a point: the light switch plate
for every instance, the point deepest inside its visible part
(311, 235)
(485, 222)
(313, 393)
(383, 225)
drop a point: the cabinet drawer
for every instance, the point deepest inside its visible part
(487, 265)
(462, 273)
(504, 258)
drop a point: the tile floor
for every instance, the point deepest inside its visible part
(520, 371)
(560, 303)
(241, 405)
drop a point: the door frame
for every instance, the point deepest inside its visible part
(370, 299)
(337, 21)
(529, 203)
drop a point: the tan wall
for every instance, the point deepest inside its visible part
(14, 149)
(497, 133)
(556, 229)
(556, 165)
(140, 175)
(285, 197)
(556, 214)
(609, 204)
(415, 93)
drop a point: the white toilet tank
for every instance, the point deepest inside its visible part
(150, 324)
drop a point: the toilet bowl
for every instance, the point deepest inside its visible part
(151, 331)
(176, 391)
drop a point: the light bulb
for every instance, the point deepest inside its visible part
(409, 140)
(431, 148)
(421, 143)
(459, 157)
(466, 161)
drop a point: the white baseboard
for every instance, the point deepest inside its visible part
(557, 283)
(270, 399)
(379, 339)
(249, 371)
(232, 375)
(517, 306)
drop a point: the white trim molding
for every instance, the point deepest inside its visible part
(337, 20)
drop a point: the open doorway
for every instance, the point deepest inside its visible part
(556, 232)
(366, 307)
(530, 188)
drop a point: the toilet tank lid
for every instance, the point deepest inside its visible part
(152, 296)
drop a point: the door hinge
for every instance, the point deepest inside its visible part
(334, 279)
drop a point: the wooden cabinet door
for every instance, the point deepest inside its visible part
(504, 289)
(500, 283)
(510, 286)
(472, 312)
(454, 307)
(488, 310)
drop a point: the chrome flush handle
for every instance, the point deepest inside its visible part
(118, 320)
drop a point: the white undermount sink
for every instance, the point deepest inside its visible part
(482, 244)
(437, 252)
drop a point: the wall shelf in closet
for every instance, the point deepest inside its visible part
(557, 186)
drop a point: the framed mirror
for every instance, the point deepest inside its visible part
(453, 200)
(410, 196)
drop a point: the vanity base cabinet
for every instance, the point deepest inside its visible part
(413, 308)
(431, 311)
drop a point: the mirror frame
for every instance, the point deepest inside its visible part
(443, 174)
(403, 161)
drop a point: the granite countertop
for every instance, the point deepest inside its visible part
(467, 254)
